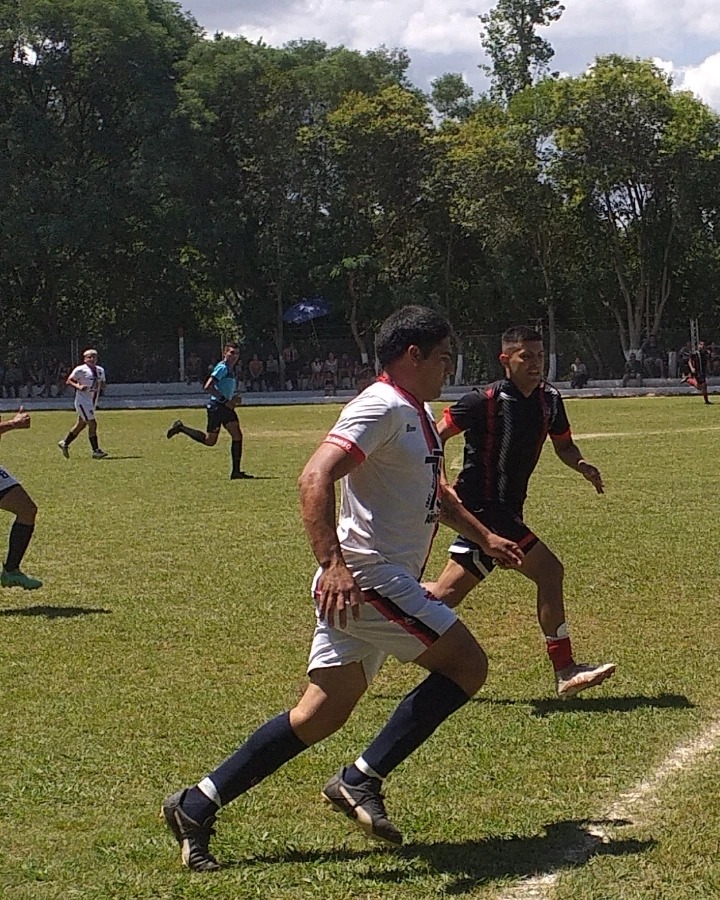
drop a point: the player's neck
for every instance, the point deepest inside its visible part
(524, 389)
(403, 383)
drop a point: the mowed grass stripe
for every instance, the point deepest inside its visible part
(149, 656)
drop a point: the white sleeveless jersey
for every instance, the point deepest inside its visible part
(389, 510)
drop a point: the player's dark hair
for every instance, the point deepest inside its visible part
(520, 334)
(411, 325)
(231, 345)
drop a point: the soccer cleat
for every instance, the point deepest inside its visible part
(99, 454)
(175, 428)
(235, 476)
(65, 449)
(363, 804)
(579, 677)
(16, 578)
(192, 838)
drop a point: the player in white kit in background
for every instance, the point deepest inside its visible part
(88, 380)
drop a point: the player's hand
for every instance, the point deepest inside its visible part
(21, 419)
(337, 591)
(506, 552)
(592, 474)
(83, 387)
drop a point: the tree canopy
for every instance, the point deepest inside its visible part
(151, 178)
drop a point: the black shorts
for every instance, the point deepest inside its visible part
(218, 414)
(501, 519)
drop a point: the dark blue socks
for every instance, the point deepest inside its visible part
(268, 748)
(418, 715)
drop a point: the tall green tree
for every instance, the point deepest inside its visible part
(518, 54)
(639, 163)
(380, 151)
(87, 234)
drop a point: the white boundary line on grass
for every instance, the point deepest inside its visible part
(629, 805)
(617, 434)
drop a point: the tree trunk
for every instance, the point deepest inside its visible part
(352, 318)
(552, 341)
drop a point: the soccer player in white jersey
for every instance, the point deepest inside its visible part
(15, 499)
(369, 603)
(88, 380)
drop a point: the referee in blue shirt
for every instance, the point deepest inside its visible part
(222, 388)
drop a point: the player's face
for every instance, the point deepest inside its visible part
(90, 358)
(433, 369)
(232, 356)
(524, 363)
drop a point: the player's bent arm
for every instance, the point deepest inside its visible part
(569, 452)
(337, 588)
(454, 515)
(21, 419)
(327, 465)
(211, 387)
(446, 430)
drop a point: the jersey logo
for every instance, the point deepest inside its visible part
(434, 460)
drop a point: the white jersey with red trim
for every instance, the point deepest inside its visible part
(91, 377)
(389, 510)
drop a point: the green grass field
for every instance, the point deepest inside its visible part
(149, 655)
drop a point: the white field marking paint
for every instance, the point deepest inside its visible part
(454, 463)
(628, 808)
(641, 434)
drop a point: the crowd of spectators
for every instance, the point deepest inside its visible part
(24, 375)
(33, 378)
(652, 360)
(329, 375)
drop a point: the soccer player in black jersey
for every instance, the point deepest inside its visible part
(699, 365)
(505, 426)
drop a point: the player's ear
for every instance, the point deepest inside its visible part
(504, 358)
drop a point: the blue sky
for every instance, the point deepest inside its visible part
(683, 36)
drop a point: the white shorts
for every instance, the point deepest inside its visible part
(399, 618)
(7, 480)
(84, 406)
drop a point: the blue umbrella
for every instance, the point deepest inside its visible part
(306, 311)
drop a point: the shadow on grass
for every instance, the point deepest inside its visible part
(258, 478)
(550, 706)
(113, 458)
(54, 612)
(610, 704)
(563, 845)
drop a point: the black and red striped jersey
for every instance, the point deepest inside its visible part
(504, 435)
(700, 362)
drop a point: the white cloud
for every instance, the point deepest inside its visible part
(431, 26)
(703, 79)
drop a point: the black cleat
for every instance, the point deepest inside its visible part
(192, 838)
(235, 476)
(363, 804)
(175, 428)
